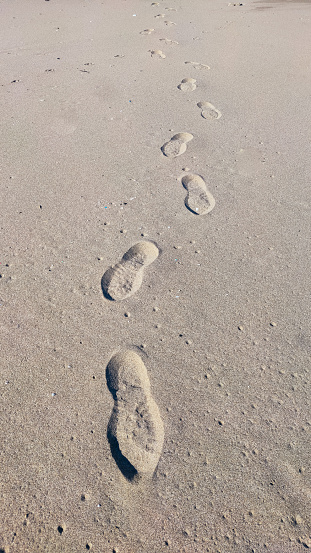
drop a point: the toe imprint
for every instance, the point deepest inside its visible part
(199, 200)
(135, 429)
(209, 111)
(125, 278)
(177, 145)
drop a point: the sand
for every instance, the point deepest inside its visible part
(218, 322)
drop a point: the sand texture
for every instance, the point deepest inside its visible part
(155, 276)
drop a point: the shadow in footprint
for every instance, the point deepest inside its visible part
(123, 464)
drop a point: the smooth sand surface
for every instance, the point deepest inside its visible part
(220, 320)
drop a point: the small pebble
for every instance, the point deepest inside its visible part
(123, 231)
(272, 324)
(155, 309)
(189, 342)
(240, 327)
(127, 314)
(186, 169)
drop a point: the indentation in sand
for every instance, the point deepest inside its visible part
(177, 145)
(196, 65)
(135, 430)
(199, 200)
(168, 41)
(157, 54)
(187, 85)
(209, 111)
(125, 278)
(160, 15)
(170, 23)
(146, 32)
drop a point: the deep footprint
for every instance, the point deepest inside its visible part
(135, 430)
(187, 85)
(199, 200)
(209, 111)
(125, 278)
(177, 145)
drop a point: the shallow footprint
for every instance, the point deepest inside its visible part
(170, 23)
(199, 200)
(209, 111)
(157, 54)
(135, 430)
(187, 85)
(146, 32)
(177, 145)
(159, 15)
(124, 279)
(168, 41)
(197, 65)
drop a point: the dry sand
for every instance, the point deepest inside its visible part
(91, 91)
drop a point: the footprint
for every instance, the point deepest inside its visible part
(209, 111)
(196, 65)
(177, 145)
(159, 15)
(171, 9)
(187, 85)
(158, 54)
(170, 23)
(199, 200)
(168, 41)
(146, 32)
(124, 279)
(135, 430)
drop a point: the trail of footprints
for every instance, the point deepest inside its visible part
(135, 430)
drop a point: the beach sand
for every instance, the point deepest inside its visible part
(208, 444)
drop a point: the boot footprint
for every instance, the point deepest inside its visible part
(209, 111)
(124, 279)
(135, 430)
(199, 200)
(187, 85)
(177, 145)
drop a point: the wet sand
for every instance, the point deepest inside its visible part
(184, 127)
